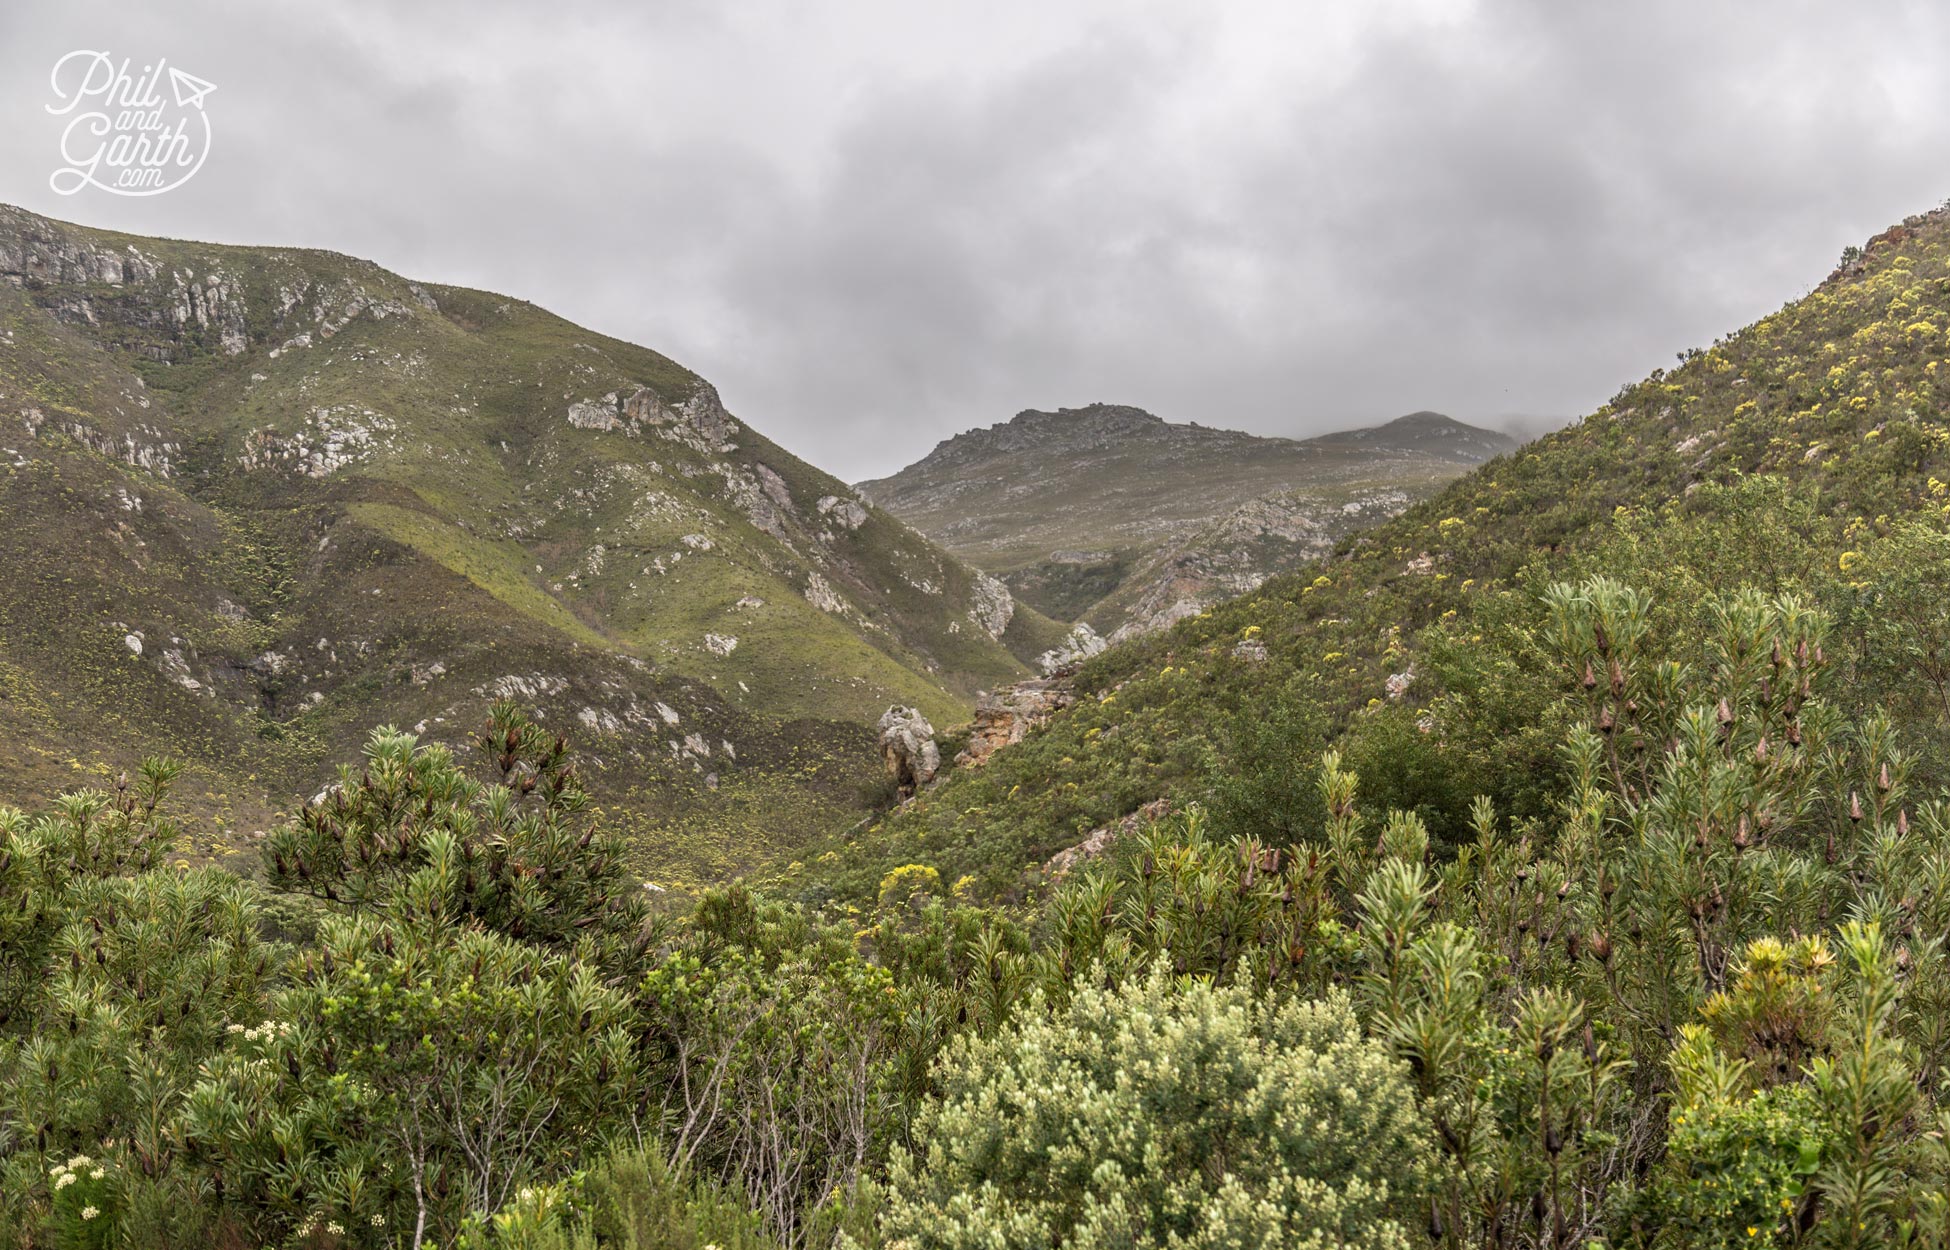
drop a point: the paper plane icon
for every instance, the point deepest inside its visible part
(190, 89)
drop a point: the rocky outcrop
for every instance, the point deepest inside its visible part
(1102, 839)
(700, 422)
(1236, 554)
(177, 310)
(846, 513)
(908, 749)
(1081, 643)
(993, 607)
(33, 249)
(1007, 715)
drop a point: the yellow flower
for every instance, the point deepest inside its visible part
(1848, 560)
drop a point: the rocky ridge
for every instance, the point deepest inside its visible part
(1112, 517)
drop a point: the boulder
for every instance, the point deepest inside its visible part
(908, 749)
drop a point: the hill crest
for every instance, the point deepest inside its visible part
(1116, 518)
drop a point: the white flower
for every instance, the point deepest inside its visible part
(379, 1221)
(63, 1180)
(335, 1228)
(233, 1028)
(79, 1161)
(89, 1213)
(96, 1175)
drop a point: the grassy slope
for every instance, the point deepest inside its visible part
(1842, 395)
(165, 407)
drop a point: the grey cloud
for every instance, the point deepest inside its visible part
(874, 224)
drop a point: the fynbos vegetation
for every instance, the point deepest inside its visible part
(1563, 864)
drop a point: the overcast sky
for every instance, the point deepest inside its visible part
(875, 224)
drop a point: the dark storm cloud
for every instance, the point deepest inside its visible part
(874, 224)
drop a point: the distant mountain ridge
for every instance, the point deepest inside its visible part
(1111, 516)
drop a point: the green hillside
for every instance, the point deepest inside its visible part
(1565, 863)
(1790, 454)
(260, 500)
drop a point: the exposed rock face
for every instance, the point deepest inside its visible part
(907, 747)
(1100, 840)
(1236, 554)
(189, 307)
(994, 606)
(821, 594)
(699, 422)
(1008, 715)
(847, 513)
(1082, 643)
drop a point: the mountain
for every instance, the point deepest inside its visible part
(1118, 519)
(1789, 457)
(258, 500)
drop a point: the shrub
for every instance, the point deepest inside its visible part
(1736, 1163)
(636, 1202)
(906, 881)
(1161, 1113)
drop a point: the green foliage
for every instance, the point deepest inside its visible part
(1573, 867)
(1156, 1114)
(1808, 438)
(1737, 1162)
(1899, 585)
(639, 1205)
(85, 1204)
(407, 1078)
(517, 854)
(778, 1054)
(1265, 788)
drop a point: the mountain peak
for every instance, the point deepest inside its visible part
(1115, 515)
(1427, 433)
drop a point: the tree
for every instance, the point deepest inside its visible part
(527, 859)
